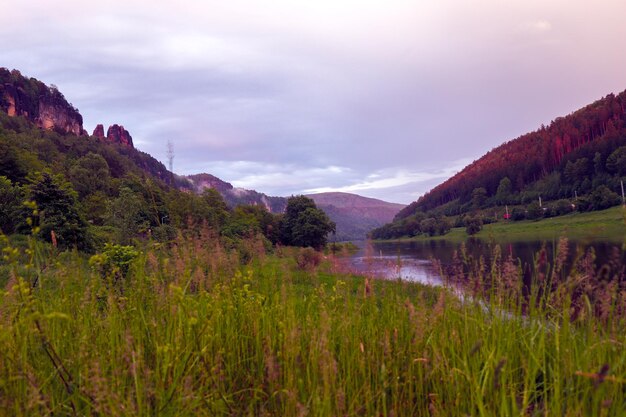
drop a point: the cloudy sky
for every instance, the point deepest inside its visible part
(384, 98)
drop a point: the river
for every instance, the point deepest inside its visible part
(413, 260)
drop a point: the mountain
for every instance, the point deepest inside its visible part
(232, 195)
(575, 163)
(548, 154)
(46, 107)
(355, 215)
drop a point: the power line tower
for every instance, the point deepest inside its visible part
(170, 155)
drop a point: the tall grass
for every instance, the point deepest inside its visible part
(194, 329)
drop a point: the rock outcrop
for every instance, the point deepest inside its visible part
(98, 132)
(117, 134)
(45, 106)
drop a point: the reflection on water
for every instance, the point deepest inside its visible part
(394, 266)
(412, 260)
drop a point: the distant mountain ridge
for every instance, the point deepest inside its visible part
(232, 195)
(355, 215)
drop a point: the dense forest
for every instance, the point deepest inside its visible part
(80, 191)
(576, 163)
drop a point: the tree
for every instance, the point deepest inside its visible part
(90, 174)
(304, 224)
(311, 228)
(12, 164)
(503, 194)
(266, 221)
(295, 205)
(534, 211)
(56, 201)
(191, 210)
(443, 225)
(602, 198)
(10, 205)
(562, 207)
(616, 162)
(429, 226)
(598, 164)
(241, 224)
(575, 172)
(127, 215)
(518, 214)
(479, 196)
(94, 207)
(473, 225)
(217, 212)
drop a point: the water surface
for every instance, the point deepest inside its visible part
(413, 260)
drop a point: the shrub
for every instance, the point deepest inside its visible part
(518, 214)
(562, 207)
(473, 225)
(308, 259)
(534, 211)
(164, 233)
(443, 225)
(602, 198)
(583, 204)
(114, 262)
(429, 226)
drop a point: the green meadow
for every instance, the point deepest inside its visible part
(606, 225)
(193, 329)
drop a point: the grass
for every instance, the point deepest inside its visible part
(190, 331)
(606, 225)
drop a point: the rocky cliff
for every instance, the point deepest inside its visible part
(45, 106)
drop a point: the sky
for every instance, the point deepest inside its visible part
(383, 98)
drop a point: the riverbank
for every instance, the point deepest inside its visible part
(608, 225)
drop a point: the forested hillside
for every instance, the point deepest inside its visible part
(79, 191)
(576, 162)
